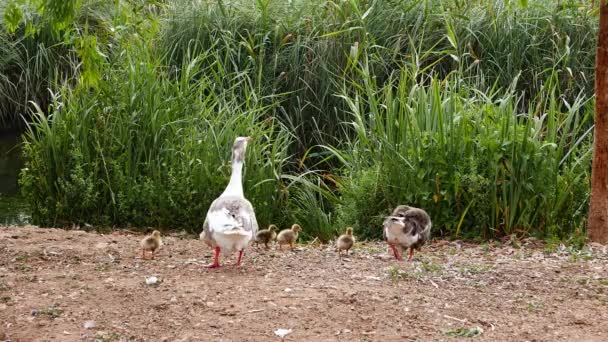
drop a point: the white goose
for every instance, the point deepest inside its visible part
(230, 223)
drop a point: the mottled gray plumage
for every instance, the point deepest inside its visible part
(230, 223)
(398, 212)
(238, 150)
(239, 208)
(407, 227)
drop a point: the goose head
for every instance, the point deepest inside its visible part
(238, 149)
(397, 217)
(349, 231)
(392, 220)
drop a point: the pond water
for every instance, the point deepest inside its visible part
(13, 209)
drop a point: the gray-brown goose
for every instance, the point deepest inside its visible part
(407, 227)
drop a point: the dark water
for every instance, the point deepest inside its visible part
(13, 209)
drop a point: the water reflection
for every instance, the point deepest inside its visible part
(13, 209)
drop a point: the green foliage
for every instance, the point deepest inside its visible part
(47, 43)
(479, 112)
(363, 204)
(310, 205)
(148, 148)
(471, 159)
(308, 49)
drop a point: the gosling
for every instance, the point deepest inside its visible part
(150, 244)
(345, 241)
(289, 236)
(266, 236)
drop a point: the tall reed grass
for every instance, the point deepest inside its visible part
(307, 48)
(151, 149)
(45, 44)
(481, 167)
(475, 110)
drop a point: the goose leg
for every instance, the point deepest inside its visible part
(395, 253)
(216, 259)
(411, 257)
(238, 261)
(143, 254)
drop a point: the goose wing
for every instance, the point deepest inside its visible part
(229, 215)
(419, 223)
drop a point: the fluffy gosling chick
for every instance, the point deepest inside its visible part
(150, 244)
(266, 235)
(345, 241)
(289, 236)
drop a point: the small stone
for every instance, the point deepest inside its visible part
(151, 281)
(90, 324)
(101, 245)
(282, 332)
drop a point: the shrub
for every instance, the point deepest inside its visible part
(150, 149)
(472, 160)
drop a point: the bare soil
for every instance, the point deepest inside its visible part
(53, 281)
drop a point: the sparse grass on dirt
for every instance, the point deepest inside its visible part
(53, 282)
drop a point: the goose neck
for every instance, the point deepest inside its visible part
(235, 186)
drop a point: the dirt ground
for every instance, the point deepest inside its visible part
(58, 285)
